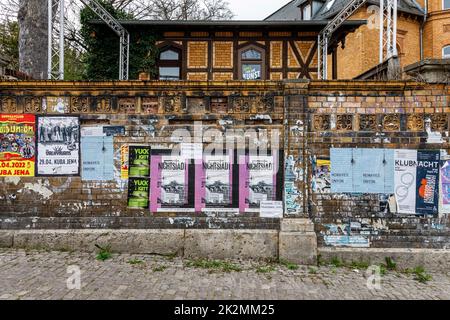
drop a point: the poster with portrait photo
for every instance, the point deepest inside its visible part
(216, 184)
(171, 183)
(58, 146)
(259, 180)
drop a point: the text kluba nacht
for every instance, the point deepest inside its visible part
(413, 163)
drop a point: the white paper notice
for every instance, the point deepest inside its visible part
(271, 209)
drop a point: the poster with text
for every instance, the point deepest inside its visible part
(257, 181)
(341, 170)
(405, 174)
(172, 183)
(214, 183)
(138, 193)
(58, 145)
(17, 145)
(445, 186)
(97, 158)
(427, 182)
(139, 161)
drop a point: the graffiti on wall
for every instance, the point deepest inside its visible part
(291, 192)
(17, 145)
(351, 234)
(321, 180)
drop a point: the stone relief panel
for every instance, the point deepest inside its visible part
(79, 105)
(8, 104)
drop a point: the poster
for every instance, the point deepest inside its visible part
(114, 130)
(17, 145)
(445, 186)
(56, 105)
(341, 170)
(124, 162)
(97, 158)
(362, 170)
(417, 181)
(427, 182)
(138, 193)
(321, 180)
(257, 181)
(214, 184)
(405, 173)
(373, 171)
(139, 162)
(172, 183)
(58, 145)
(271, 209)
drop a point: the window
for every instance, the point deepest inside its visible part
(252, 63)
(170, 64)
(306, 12)
(445, 4)
(446, 52)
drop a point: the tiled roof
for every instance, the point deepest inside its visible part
(331, 7)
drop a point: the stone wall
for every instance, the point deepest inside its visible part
(311, 116)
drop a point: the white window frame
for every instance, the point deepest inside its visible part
(445, 56)
(443, 6)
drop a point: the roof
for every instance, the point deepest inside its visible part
(309, 25)
(290, 11)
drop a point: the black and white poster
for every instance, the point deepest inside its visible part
(58, 140)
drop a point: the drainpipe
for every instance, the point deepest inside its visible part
(422, 26)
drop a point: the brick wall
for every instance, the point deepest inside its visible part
(312, 117)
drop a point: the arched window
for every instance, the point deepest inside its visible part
(170, 64)
(251, 63)
(446, 52)
(445, 4)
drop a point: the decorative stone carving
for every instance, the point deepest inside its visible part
(8, 104)
(150, 105)
(127, 105)
(367, 122)
(219, 105)
(242, 104)
(415, 122)
(171, 104)
(32, 105)
(79, 105)
(321, 122)
(439, 121)
(195, 105)
(265, 104)
(344, 122)
(103, 105)
(391, 122)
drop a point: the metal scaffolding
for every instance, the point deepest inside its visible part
(56, 38)
(388, 29)
(388, 32)
(327, 32)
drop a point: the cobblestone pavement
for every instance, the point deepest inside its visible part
(44, 275)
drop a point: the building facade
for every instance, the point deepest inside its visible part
(422, 32)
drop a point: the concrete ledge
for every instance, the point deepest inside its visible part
(430, 259)
(6, 238)
(297, 247)
(162, 242)
(231, 244)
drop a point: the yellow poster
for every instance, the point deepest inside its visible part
(17, 145)
(124, 162)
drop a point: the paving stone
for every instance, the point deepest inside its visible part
(29, 275)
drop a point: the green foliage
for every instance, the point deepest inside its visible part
(420, 275)
(336, 262)
(289, 265)
(135, 261)
(360, 265)
(102, 56)
(390, 263)
(159, 268)
(214, 265)
(312, 270)
(265, 269)
(104, 253)
(9, 42)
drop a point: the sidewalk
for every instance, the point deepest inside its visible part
(43, 275)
